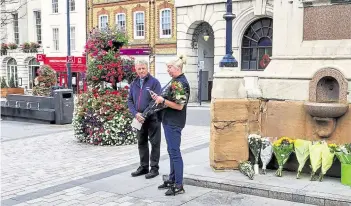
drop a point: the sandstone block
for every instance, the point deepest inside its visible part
(228, 144)
(234, 110)
(284, 118)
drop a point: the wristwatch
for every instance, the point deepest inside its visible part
(164, 100)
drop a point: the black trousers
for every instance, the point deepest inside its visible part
(151, 130)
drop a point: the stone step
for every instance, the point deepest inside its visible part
(328, 197)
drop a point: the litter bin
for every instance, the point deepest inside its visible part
(64, 106)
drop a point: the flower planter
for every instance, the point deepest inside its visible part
(6, 91)
(346, 174)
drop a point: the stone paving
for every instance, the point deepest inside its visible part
(45, 165)
(43, 161)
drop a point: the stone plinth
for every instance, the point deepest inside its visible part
(234, 119)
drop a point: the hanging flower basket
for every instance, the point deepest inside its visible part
(116, 45)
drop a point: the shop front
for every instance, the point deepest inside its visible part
(59, 64)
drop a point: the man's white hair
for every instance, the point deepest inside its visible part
(142, 62)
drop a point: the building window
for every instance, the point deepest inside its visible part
(55, 6)
(103, 22)
(33, 67)
(139, 25)
(37, 15)
(12, 71)
(257, 45)
(121, 22)
(72, 5)
(55, 39)
(73, 38)
(15, 27)
(166, 23)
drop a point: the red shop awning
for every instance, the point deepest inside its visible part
(78, 64)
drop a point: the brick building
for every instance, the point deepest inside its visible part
(150, 25)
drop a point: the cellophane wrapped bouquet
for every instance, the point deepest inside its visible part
(246, 168)
(302, 151)
(266, 152)
(316, 149)
(282, 149)
(255, 147)
(328, 154)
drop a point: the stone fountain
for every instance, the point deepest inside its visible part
(327, 100)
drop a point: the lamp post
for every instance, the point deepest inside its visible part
(228, 60)
(69, 73)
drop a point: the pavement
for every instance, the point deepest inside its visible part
(45, 165)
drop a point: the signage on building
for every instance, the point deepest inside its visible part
(59, 64)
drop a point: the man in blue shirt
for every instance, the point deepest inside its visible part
(138, 100)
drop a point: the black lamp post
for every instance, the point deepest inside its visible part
(228, 60)
(69, 72)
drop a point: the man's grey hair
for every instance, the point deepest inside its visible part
(142, 62)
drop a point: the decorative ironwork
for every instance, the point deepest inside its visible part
(202, 28)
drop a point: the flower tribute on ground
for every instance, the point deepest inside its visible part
(101, 114)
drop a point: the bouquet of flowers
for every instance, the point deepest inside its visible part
(266, 152)
(173, 91)
(246, 169)
(316, 149)
(343, 153)
(255, 147)
(282, 149)
(302, 150)
(328, 154)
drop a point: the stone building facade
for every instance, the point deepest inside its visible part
(148, 24)
(197, 19)
(23, 25)
(300, 91)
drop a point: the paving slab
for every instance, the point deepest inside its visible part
(328, 192)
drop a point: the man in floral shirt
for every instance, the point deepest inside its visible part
(138, 100)
(174, 119)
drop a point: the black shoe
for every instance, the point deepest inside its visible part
(175, 190)
(151, 174)
(166, 185)
(140, 171)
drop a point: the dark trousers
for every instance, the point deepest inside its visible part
(173, 137)
(150, 130)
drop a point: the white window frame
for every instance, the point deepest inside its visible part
(118, 22)
(135, 26)
(73, 38)
(37, 26)
(16, 28)
(100, 25)
(56, 41)
(12, 69)
(54, 6)
(170, 23)
(72, 5)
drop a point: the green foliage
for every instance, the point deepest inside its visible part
(12, 83)
(3, 83)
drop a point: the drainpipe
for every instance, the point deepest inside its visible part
(228, 60)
